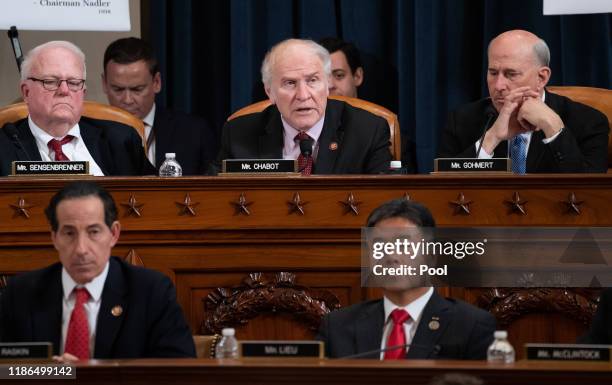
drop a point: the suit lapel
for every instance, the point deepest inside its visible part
(163, 129)
(114, 297)
(536, 151)
(91, 138)
(434, 320)
(369, 329)
(28, 142)
(331, 133)
(47, 314)
(271, 140)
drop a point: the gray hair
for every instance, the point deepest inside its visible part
(272, 56)
(32, 55)
(541, 53)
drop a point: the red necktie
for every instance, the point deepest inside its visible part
(77, 338)
(397, 335)
(304, 162)
(56, 146)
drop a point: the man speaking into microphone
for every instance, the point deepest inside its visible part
(340, 139)
(410, 321)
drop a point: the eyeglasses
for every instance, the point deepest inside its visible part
(54, 84)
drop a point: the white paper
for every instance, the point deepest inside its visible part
(65, 15)
(571, 7)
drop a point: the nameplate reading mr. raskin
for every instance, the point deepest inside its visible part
(259, 166)
(568, 352)
(281, 349)
(50, 168)
(471, 164)
(13, 351)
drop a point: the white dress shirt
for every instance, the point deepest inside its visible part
(291, 147)
(414, 309)
(74, 150)
(527, 135)
(92, 306)
(148, 125)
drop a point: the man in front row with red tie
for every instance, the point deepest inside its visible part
(92, 305)
(410, 321)
(53, 87)
(325, 136)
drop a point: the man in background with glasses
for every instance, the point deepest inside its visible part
(53, 87)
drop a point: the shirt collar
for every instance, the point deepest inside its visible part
(414, 308)
(150, 118)
(43, 137)
(94, 287)
(314, 132)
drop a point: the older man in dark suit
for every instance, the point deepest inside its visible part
(342, 139)
(131, 79)
(53, 86)
(92, 305)
(411, 321)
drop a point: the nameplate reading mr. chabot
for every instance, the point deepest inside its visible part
(259, 166)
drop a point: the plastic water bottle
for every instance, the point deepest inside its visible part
(227, 347)
(500, 350)
(395, 167)
(170, 167)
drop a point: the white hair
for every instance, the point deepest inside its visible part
(272, 56)
(541, 53)
(32, 55)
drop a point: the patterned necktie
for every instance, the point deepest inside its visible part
(77, 338)
(304, 162)
(397, 335)
(56, 146)
(518, 154)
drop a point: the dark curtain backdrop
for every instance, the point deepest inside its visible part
(422, 57)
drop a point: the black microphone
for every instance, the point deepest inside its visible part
(491, 113)
(435, 350)
(306, 147)
(11, 131)
(13, 35)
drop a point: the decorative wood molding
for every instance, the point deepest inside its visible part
(507, 305)
(462, 205)
(231, 307)
(351, 204)
(133, 207)
(22, 208)
(187, 206)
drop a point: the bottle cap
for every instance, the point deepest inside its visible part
(395, 164)
(228, 332)
(170, 155)
(500, 334)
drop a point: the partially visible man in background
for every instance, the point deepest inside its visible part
(131, 79)
(346, 67)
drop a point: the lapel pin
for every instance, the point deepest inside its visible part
(117, 311)
(434, 324)
(333, 146)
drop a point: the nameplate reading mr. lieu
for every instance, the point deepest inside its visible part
(13, 351)
(259, 166)
(50, 168)
(281, 349)
(568, 352)
(471, 165)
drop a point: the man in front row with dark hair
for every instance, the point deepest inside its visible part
(92, 305)
(434, 326)
(131, 79)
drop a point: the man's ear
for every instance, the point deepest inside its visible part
(157, 82)
(270, 94)
(543, 77)
(104, 86)
(115, 230)
(358, 76)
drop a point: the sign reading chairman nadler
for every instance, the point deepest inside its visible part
(66, 15)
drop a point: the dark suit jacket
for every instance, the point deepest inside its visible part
(581, 147)
(115, 147)
(465, 332)
(190, 137)
(600, 331)
(151, 325)
(362, 138)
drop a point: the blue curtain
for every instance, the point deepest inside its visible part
(422, 58)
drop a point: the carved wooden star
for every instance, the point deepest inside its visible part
(351, 204)
(296, 205)
(187, 206)
(22, 208)
(133, 207)
(462, 205)
(516, 204)
(573, 204)
(242, 206)
(133, 258)
(406, 197)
